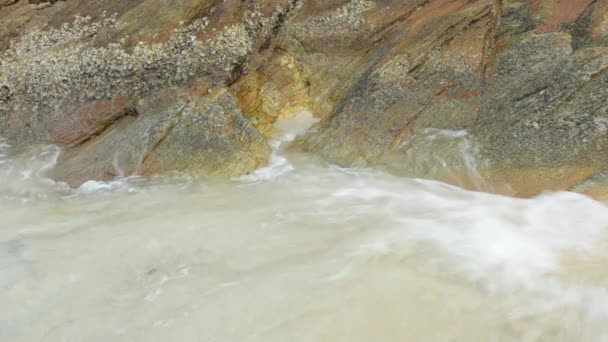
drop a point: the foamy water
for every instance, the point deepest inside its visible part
(298, 251)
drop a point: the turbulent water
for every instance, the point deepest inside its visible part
(298, 251)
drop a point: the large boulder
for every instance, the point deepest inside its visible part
(134, 87)
(526, 80)
(420, 65)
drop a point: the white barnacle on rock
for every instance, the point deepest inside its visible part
(339, 22)
(48, 66)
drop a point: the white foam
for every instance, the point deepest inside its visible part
(345, 251)
(116, 185)
(25, 176)
(287, 129)
(277, 167)
(284, 131)
(503, 244)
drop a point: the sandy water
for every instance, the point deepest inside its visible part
(298, 251)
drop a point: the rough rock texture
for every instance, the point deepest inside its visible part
(274, 89)
(199, 135)
(92, 86)
(426, 69)
(526, 79)
(499, 95)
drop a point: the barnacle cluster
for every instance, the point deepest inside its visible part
(342, 21)
(46, 66)
(37, 41)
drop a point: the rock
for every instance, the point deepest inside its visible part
(506, 96)
(528, 83)
(545, 110)
(276, 88)
(596, 186)
(85, 122)
(71, 86)
(211, 138)
(8, 2)
(424, 73)
(38, 2)
(196, 135)
(541, 123)
(5, 93)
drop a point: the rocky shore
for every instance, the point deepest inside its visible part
(507, 96)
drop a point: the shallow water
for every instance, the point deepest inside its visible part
(298, 251)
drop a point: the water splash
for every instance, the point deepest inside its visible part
(321, 253)
(448, 155)
(300, 251)
(284, 131)
(25, 176)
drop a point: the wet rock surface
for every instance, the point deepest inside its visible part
(198, 135)
(526, 80)
(515, 90)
